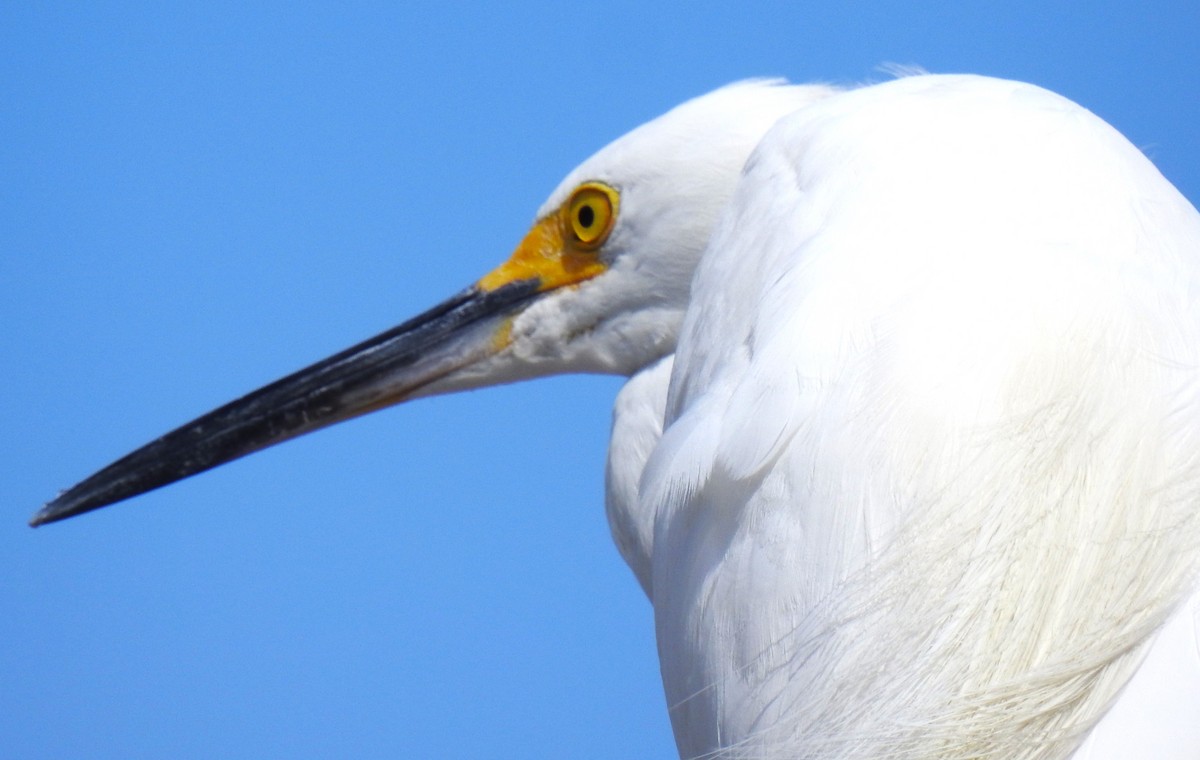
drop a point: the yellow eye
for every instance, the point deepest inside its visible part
(592, 212)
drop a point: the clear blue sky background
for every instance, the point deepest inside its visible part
(196, 201)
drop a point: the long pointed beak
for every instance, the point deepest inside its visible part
(381, 371)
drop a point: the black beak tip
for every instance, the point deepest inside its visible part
(69, 503)
(52, 511)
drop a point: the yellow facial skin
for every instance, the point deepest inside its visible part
(563, 247)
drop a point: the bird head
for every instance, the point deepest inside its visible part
(611, 253)
(598, 284)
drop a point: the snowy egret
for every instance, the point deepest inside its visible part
(909, 458)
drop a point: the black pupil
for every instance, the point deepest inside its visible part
(587, 216)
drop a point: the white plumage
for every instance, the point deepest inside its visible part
(908, 459)
(929, 477)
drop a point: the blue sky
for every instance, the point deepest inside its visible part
(196, 201)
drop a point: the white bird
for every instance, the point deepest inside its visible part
(909, 458)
